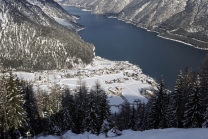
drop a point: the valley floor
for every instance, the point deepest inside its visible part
(121, 80)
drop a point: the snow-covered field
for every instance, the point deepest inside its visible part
(170, 133)
(120, 79)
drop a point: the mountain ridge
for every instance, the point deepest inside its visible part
(33, 40)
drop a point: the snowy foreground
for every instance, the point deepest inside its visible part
(120, 79)
(170, 133)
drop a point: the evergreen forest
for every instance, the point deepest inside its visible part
(23, 109)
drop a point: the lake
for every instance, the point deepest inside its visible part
(120, 41)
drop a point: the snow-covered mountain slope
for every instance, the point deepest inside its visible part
(184, 20)
(32, 39)
(54, 10)
(51, 8)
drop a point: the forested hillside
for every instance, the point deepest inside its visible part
(31, 39)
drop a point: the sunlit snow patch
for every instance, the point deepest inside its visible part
(64, 22)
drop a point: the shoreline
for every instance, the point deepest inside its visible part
(196, 47)
(159, 35)
(80, 29)
(166, 38)
(129, 22)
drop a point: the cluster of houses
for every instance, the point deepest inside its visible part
(117, 91)
(129, 71)
(138, 76)
(92, 73)
(120, 66)
(118, 80)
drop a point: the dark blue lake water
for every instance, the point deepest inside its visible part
(117, 40)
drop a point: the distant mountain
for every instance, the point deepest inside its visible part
(32, 36)
(55, 11)
(184, 20)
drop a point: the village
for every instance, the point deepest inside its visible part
(118, 78)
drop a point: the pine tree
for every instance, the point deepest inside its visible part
(159, 107)
(91, 117)
(104, 114)
(105, 127)
(176, 107)
(42, 98)
(54, 107)
(97, 90)
(171, 113)
(132, 121)
(72, 113)
(193, 115)
(147, 120)
(55, 97)
(12, 100)
(16, 113)
(204, 83)
(140, 117)
(3, 105)
(80, 111)
(1, 118)
(205, 124)
(30, 107)
(164, 110)
(124, 116)
(115, 125)
(55, 125)
(189, 78)
(68, 109)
